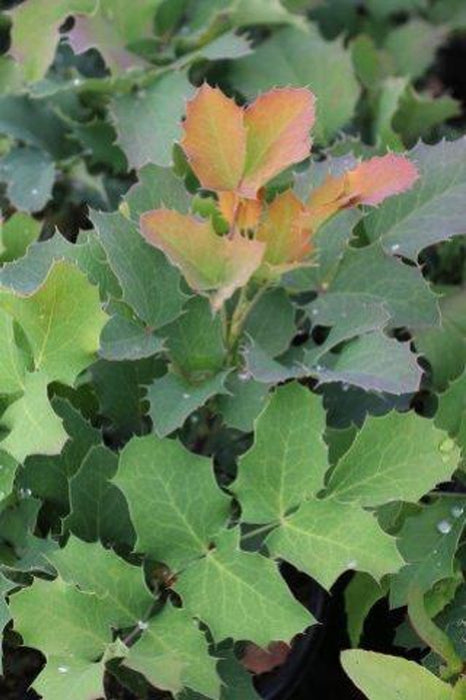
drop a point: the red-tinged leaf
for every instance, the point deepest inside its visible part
(259, 660)
(241, 213)
(370, 182)
(215, 139)
(278, 125)
(282, 231)
(209, 263)
(378, 178)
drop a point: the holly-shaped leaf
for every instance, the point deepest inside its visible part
(393, 457)
(61, 620)
(62, 321)
(34, 428)
(174, 502)
(173, 637)
(94, 569)
(429, 558)
(288, 460)
(75, 679)
(209, 262)
(433, 210)
(268, 611)
(325, 537)
(252, 145)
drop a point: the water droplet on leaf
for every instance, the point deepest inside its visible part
(457, 511)
(444, 527)
(63, 669)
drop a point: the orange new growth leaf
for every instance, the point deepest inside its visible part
(282, 230)
(243, 214)
(209, 263)
(278, 125)
(235, 149)
(370, 182)
(215, 139)
(378, 178)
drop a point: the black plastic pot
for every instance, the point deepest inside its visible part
(282, 682)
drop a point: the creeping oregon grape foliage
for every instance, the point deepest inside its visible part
(239, 362)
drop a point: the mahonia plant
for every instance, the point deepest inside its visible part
(235, 152)
(154, 553)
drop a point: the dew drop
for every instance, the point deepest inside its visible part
(395, 247)
(2, 495)
(444, 527)
(63, 669)
(315, 312)
(352, 564)
(142, 625)
(186, 396)
(34, 191)
(77, 81)
(244, 375)
(345, 387)
(457, 511)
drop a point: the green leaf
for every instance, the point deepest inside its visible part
(173, 639)
(288, 459)
(119, 389)
(361, 594)
(430, 557)
(303, 58)
(383, 677)
(13, 360)
(195, 340)
(148, 125)
(451, 620)
(173, 398)
(386, 280)
(445, 347)
(35, 123)
(61, 620)
(393, 457)
(5, 587)
(326, 537)
(36, 50)
(150, 284)
(94, 569)
(254, 580)
(174, 502)
(16, 234)
(33, 425)
(413, 46)
(98, 509)
(47, 476)
(418, 114)
(111, 28)
(62, 321)
(245, 400)
(74, 679)
(156, 188)
(29, 174)
(271, 322)
(128, 339)
(432, 210)
(451, 412)
(26, 275)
